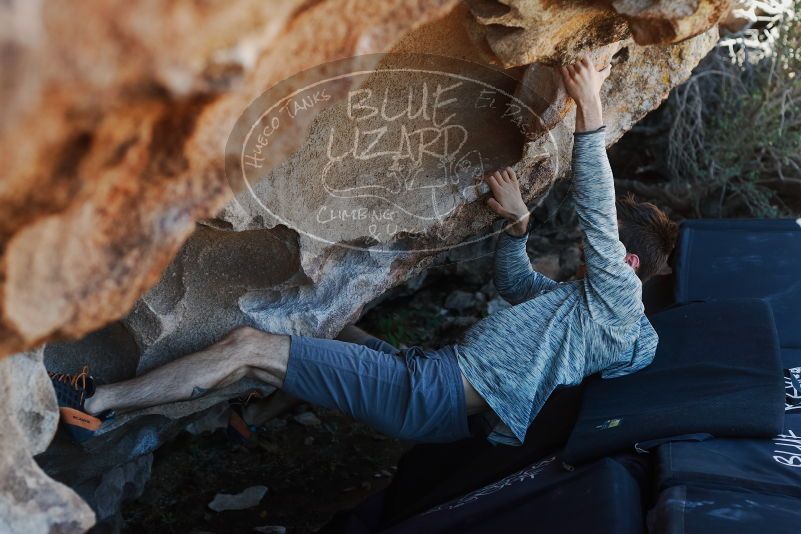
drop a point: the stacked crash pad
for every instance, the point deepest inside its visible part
(724, 259)
(601, 497)
(739, 485)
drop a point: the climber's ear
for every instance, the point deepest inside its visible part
(633, 261)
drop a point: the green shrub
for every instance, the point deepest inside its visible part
(735, 125)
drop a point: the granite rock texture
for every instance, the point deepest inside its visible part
(113, 131)
(670, 21)
(120, 228)
(520, 32)
(30, 501)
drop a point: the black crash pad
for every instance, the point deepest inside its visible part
(602, 497)
(770, 465)
(717, 370)
(699, 510)
(743, 258)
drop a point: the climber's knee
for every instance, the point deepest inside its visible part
(259, 353)
(243, 341)
(242, 336)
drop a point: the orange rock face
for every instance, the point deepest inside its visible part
(113, 130)
(670, 21)
(116, 114)
(519, 32)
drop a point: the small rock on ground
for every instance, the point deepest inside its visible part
(240, 501)
(307, 419)
(462, 300)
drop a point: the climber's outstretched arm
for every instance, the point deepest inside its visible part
(515, 279)
(613, 292)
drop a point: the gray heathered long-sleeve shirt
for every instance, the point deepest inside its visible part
(555, 334)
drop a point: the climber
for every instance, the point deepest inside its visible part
(508, 363)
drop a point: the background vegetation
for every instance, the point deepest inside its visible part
(728, 141)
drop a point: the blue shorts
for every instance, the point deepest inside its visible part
(412, 394)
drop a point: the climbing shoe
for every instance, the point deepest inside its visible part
(238, 431)
(71, 393)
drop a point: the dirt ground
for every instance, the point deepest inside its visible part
(311, 472)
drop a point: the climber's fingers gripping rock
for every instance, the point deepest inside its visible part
(507, 201)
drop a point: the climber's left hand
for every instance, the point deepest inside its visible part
(507, 201)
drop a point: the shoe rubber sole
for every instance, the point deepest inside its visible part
(80, 425)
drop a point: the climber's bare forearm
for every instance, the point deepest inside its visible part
(589, 115)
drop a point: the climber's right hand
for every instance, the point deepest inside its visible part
(583, 83)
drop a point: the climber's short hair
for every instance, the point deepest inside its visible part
(648, 232)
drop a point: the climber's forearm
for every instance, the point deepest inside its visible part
(589, 114)
(583, 82)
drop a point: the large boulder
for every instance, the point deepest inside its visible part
(112, 137)
(118, 220)
(113, 142)
(30, 501)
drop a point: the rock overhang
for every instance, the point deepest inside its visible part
(113, 153)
